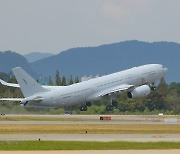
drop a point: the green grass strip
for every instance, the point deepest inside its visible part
(80, 145)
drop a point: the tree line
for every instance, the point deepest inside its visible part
(62, 81)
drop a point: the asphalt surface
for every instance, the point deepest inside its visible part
(81, 122)
(95, 137)
(92, 119)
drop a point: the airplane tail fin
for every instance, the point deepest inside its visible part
(28, 85)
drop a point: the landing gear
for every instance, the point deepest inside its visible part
(111, 105)
(88, 104)
(152, 87)
(25, 103)
(109, 108)
(114, 103)
(85, 106)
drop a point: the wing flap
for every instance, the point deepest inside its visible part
(111, 91)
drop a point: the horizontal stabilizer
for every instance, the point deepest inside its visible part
(11, 99)
(9, 84)
(15, 85)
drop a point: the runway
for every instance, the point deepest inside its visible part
(83, 122)
(91, 120)
(95, 137)
(88, 119)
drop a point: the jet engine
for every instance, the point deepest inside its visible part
(141, 91)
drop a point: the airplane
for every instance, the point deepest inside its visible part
(136, 82)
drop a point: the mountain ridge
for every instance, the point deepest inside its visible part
(110, 58)
(100, 60)
(9, 60)
(34, 56)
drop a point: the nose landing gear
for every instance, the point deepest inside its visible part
(152, 86)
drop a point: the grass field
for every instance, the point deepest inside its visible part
(71, 118)
(72, 145)
(28, 118)
(91, 129)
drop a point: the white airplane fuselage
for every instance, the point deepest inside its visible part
(90, 90)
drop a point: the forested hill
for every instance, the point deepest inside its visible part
(100, 60)
(9, 60)
(34, 56)
(110, 58)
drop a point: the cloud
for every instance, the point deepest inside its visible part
(123, 9)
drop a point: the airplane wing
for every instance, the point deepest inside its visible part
(114, 90)
(11, 99)
(9, 84)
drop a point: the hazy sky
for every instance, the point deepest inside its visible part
(56, 25)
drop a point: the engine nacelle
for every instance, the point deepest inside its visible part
(139, 92)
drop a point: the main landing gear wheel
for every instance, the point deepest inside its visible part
(109, 108)
(85, 106)
(111, 105)
(114, 103)
(88, 104)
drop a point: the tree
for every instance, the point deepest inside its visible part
(76, 80)
(50, 81)
(58, 79)
(64, 81)
(70, 81)
(12, 79)
(173, 97)
(162, 88)
(157, 99)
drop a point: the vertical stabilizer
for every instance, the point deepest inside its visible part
(28, 85)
